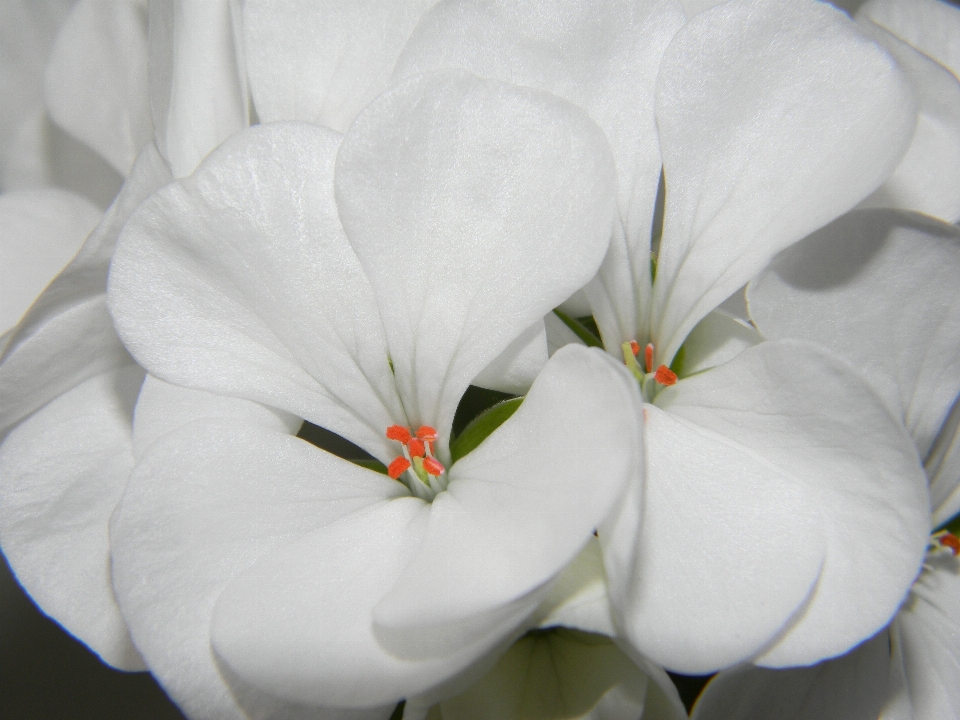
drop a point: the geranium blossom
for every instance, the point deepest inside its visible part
(261, 296)
(762, 139)
(879, 290)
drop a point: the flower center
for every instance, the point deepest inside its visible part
(945, 540)
(650, 380)
(416, 467)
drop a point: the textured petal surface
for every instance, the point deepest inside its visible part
(774, 118)
(475, 208)
(798, 437)
(67, 335)
(929, 634)
(62, 472)
(198, 85)
(519, 507)
(323, 61)
(931, 26)
(260, 294)
(40, 231)
(852, 687)
(202, 505)
(96, 84)
(928, 178)
(346, 636)
(880, 289)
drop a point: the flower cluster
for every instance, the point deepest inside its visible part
(699, 254)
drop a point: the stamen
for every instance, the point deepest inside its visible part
(634, 347)
(398, 433)
(665, 376)
(416, 447)
(648, 356)
(947, 540)
(427, 433)
(398, 467)
(432, 466)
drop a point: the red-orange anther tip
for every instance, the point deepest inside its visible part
(648, 356)
(398, 433)
(425, 432)
(634, 347)
(432, 466)
(416, 448)
(665, 376)
(398, 467)
(951, 541)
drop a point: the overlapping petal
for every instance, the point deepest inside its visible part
(879, 289)
(323, 61)
(443, 584)
(96, 83)
(473, 215)
(931, 26)
(774, 118)
(759, 471)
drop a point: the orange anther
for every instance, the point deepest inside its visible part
(951, 541)
(416, 448)
(648, 356)
(634, 347)
(398, 467)
(425, 432)
(432, 466)
(398, 433)
(665, 376)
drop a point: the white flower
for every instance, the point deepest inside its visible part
(878, 289)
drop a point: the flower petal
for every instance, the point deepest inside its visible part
(323, 61)
(260, 294)
(928, 627)
(475, 208)
(518, 508)
(602, 57)
(198, 90)
(514, 370)
(202, 505)
(72, 313)
(852, 687)
(774, 118)
(62, 472)
(879, 289)
(717, 338)
(40, 231)
(96, 83)
(928, 177)
(578, 598)
(931, 26)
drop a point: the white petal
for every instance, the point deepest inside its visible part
(879, 289)
(928, 178)
(931, 26)
(561, 673)
(602, 57)
(729, 547)
(558, 334)
(324, 61)
(852, 687)
(717, 338)
(62, 473)
(197, 83)
(774, 118)
(96, 83)
(475, 208)
(202, 505)
(67, 335)
(943, 468)
(578, 598)
(40, 231)
(929, 628)
(514, 370)
(261, 295)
